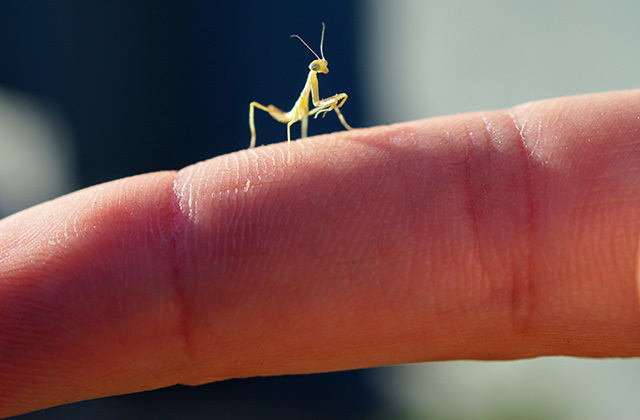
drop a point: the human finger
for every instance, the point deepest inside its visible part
(491, 235)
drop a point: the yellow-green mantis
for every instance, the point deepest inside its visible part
(300, 110)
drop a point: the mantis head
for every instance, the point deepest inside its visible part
(320, 66)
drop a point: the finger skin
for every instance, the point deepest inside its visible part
(493, 235)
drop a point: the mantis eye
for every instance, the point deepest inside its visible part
(314, 66)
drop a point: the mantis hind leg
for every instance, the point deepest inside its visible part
(289, 141)
(275, 112)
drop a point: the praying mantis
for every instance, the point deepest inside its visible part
(300, 110)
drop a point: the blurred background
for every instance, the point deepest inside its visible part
(94, 91)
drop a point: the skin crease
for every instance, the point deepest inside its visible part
(493, 235)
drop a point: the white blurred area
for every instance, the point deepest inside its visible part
(428, 58)
(550, 388)
(35, 153)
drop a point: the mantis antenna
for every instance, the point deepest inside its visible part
(307, 45)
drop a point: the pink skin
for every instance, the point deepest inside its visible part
(493, 235)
